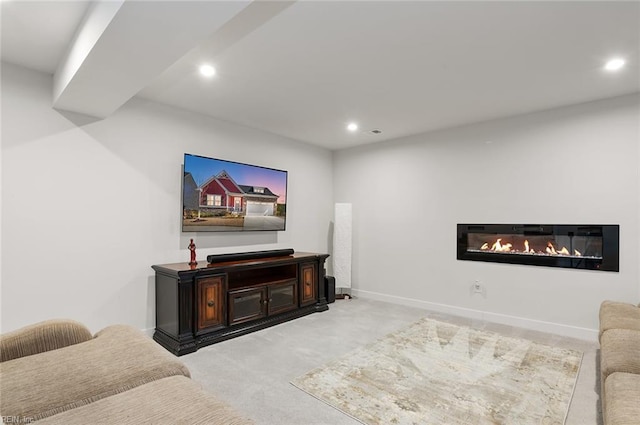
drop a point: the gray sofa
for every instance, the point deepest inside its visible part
(620, 363)
(56, 372)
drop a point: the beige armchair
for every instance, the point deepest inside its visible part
(41, 337)
(56, 372)
(620, 363)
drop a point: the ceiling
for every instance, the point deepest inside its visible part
(305, 69)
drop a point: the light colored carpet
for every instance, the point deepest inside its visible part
(434, 372)
(253, 372)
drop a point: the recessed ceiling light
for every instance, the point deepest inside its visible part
(207, 70)
(614, 64)
(352, 126)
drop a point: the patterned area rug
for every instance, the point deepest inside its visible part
(439, 373)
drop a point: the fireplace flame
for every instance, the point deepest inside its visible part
(500, 246)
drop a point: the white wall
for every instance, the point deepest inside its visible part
(571, 165)
(88, 206)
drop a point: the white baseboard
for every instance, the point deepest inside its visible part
(520, 322)
(149, 332)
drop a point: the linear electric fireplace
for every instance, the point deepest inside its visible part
(590, 246)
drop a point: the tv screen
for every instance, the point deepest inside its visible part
(227, 196)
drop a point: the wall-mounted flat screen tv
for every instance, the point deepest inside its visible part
(227, 196)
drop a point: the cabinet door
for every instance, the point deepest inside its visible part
(247, 304)
(308, 283)
(210, 302)
(283, 296)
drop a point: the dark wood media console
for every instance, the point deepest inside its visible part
(204, 304)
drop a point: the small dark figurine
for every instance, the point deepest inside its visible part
(192, 248)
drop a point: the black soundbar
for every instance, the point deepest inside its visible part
(220, 258)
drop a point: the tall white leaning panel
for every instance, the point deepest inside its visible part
(342, 245)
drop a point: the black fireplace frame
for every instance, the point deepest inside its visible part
(610, 234)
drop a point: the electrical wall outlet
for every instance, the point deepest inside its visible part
(477, 287)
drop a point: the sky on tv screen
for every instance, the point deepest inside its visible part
(202, 169)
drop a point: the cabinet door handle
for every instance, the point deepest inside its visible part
(307, 283)
(210, 303)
